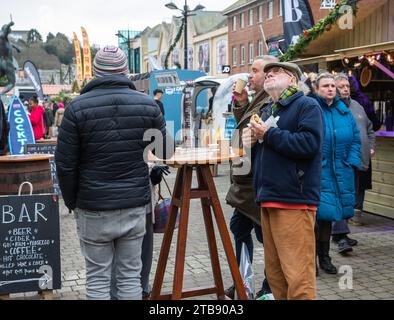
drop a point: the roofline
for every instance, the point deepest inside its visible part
(228, 11)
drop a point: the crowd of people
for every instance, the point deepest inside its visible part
(310, 170)
(45, 119)
(308, 175)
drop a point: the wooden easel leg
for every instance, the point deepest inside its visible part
(166, 244)
(182, 234)
(213, 250)
(221, 222)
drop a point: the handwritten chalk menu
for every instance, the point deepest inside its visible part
(29, 243)
(46, 148)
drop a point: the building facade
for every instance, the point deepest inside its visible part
(255, 27)
(207, 43)
(211, 52)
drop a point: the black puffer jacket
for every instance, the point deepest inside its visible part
(100, 148)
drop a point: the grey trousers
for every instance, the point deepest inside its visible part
(112, 239)
(147, 254)
(146, 257)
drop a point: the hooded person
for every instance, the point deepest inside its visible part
(103, 175)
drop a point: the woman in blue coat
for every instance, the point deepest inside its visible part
(341, 157)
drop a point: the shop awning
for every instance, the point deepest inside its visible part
(348, 52)
(328, 41)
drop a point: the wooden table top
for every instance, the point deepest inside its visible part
(25, 158)
(199, 156)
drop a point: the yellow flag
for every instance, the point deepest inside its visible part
(87, 60)
(78, 58)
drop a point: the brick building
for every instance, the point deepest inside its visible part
(255, 27)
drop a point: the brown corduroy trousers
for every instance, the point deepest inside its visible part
(289, 251)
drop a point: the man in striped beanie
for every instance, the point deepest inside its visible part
(103, 176)
(109, 61)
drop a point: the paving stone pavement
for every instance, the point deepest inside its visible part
(366, 273)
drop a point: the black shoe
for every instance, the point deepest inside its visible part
(327, 266)
(351, 242)
(230, 292)
(344, 247)
(337, 238)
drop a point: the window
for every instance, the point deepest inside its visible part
(234, 56)
(235, 23)
(260, 13)
(251, 53)
(280, 8)
(251, 17)
(242, 54)
(242, 20)
(260, 46)
(328, 4)
(270, 10)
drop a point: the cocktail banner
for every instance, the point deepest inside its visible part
(21, 132)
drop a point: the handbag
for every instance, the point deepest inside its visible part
(162, 211)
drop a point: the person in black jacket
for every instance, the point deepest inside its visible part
(49, 119)
(157, 95)
(103, 175)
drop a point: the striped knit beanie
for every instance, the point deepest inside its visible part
(110, 60)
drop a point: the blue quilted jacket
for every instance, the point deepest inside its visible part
(341, 155)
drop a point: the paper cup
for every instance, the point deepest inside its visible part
(240, 85)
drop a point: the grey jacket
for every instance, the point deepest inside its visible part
(367, 135)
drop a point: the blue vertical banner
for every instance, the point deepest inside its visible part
(297, 17)
(21, 131)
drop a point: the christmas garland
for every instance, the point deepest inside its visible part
(172, 47)
(317, 30)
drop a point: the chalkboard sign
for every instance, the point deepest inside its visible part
(29, 243)
(46, 148)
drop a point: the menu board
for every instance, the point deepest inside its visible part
(29, 243)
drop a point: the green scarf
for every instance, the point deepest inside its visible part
(286, 94)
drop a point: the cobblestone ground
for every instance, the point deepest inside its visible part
(371, 264)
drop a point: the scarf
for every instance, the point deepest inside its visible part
(285, 95)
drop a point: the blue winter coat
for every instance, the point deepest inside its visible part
(341, 156)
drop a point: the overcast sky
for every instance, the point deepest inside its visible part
(101, 18)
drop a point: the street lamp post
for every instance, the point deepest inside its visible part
(120, 35)
(186, 12)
